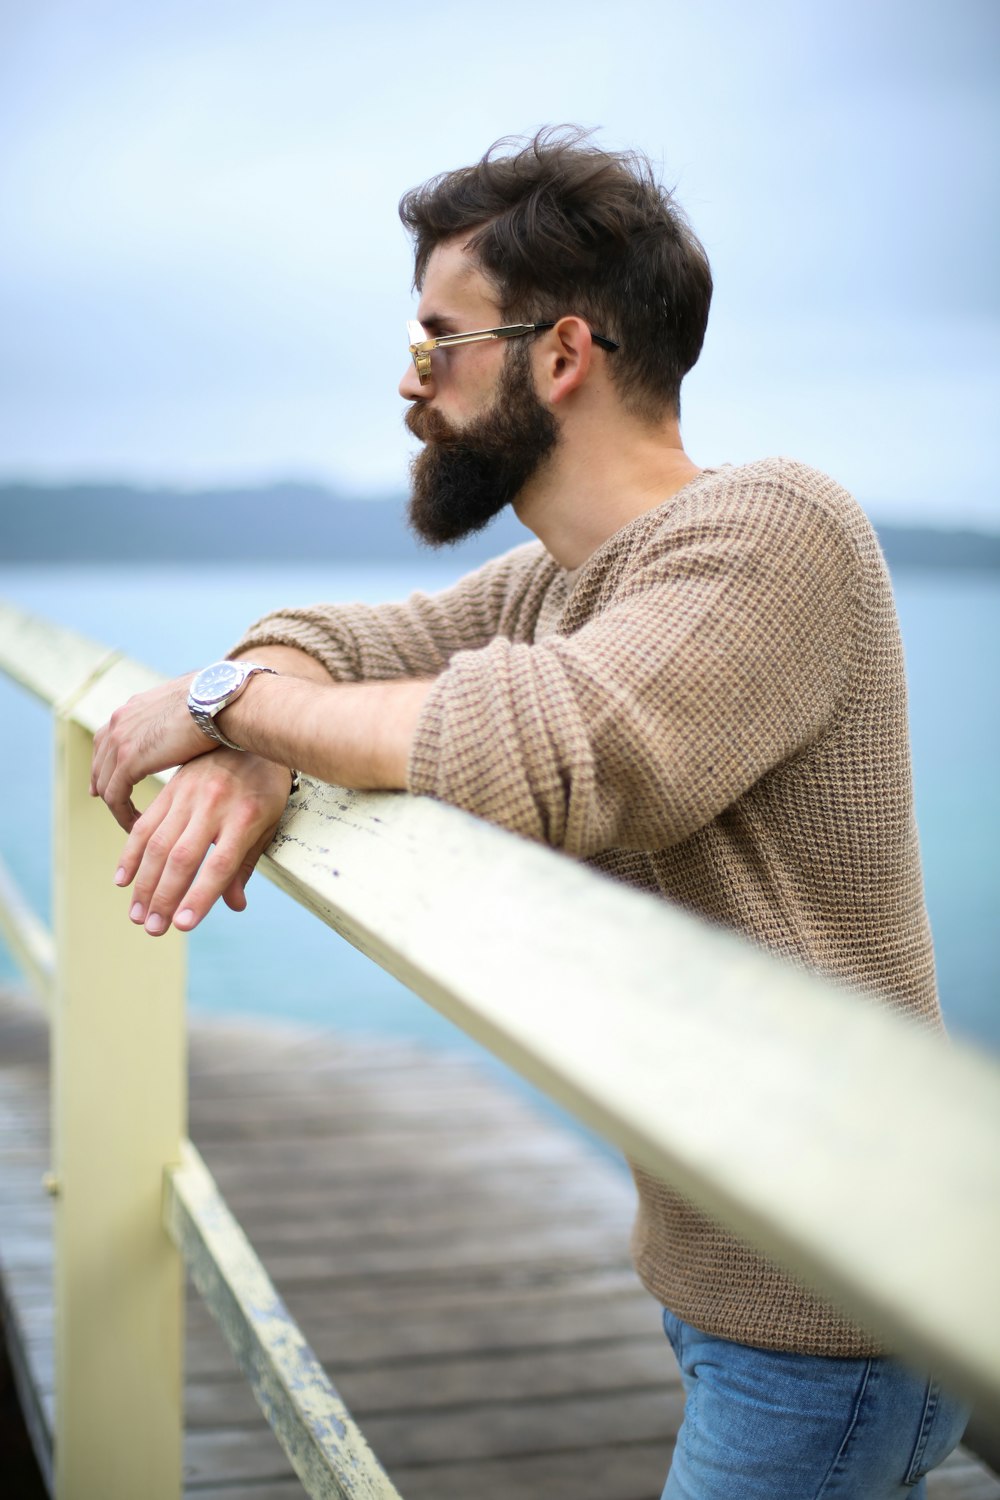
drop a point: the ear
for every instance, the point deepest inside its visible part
(565, 364)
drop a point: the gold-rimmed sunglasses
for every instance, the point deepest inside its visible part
(422, 345)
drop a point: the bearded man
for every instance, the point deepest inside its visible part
(692, 680)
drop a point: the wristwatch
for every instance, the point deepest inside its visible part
(214, 689)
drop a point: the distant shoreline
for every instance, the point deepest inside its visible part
(291, 522)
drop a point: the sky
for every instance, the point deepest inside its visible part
(203, 279)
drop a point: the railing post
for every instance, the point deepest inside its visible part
(119, 1114)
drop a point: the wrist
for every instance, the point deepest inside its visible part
(214, 688)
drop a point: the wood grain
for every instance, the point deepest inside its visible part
(457, 1260)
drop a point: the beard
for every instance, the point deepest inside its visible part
(465, 476)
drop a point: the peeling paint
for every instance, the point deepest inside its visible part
(304, 1409)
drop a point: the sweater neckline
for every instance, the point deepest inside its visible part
(570, 576)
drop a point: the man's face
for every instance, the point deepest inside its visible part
(484, 430)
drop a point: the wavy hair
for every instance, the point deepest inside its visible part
(560, 227)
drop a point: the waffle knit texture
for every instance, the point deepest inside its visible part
(712, 708)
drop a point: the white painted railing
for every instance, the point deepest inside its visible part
(860, 1152)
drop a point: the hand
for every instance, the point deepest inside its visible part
(228, 799)
(150, 732)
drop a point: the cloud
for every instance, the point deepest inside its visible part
(202, 274)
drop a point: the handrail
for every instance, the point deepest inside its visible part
(307, 1415)
(309, 1418)
(46, 660)
(838, 1131)
(29, 939)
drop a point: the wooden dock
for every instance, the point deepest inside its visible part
(457, 1259)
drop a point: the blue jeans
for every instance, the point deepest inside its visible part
(763, 1425)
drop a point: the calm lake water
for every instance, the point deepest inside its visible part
(177, 619)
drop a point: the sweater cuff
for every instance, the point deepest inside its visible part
(425, 752)
(288, 632)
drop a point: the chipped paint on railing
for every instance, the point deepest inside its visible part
(308, 1417)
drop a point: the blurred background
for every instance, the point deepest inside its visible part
(203, 285)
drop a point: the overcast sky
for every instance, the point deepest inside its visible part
(203, 278)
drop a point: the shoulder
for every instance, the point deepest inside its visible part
(770, 491)
(774, 506)
(767, 526)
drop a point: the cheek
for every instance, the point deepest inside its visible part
(469, 376)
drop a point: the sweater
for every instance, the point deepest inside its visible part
(712, 708)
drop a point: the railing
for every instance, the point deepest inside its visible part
(857, 1150)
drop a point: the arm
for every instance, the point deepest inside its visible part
(230, 803)
(341, 711)
(725, 651)
(356, 734)
(414, 638)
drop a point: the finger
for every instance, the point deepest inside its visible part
(102, 764)
(118, 796)
(235, 894)
(144, 826)
(174, 854)
(97, 759)
(158, 838)
(180, 895)
(112, 750)
(112, 780)
(225, 873)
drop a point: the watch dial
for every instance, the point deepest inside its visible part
(216, 681)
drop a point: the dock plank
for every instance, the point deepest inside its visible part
(457, 1258)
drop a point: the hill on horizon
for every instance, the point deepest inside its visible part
(297, 522)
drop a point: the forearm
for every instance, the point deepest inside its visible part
(413, 638)
(354, 734)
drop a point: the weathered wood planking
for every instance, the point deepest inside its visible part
(303, 1409)
(457, 1261)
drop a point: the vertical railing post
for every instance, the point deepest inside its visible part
(119, 1114)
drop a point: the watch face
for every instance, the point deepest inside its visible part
(216, 681)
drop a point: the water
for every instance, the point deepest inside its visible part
(176, 619)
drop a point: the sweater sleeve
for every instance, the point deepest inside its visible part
(418, 636)
(722, 653)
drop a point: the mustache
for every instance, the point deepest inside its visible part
(429, 425)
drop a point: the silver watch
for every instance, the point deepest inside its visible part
(214, 689)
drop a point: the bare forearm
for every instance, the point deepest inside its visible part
(354, 734)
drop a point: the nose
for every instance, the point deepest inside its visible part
(410, 388)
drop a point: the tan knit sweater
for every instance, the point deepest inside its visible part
(712, 708)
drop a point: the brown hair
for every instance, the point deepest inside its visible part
(560, 226)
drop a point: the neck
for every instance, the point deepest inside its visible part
(596, 481)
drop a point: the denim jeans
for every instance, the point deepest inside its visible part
(763, 1425)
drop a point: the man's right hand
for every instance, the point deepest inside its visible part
(201, 837)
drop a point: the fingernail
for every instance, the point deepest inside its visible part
(137, 912)
(154, 924)
(120, 875)
(184, 918)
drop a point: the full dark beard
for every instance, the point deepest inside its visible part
(467, 475)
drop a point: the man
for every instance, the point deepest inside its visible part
(693, 681)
